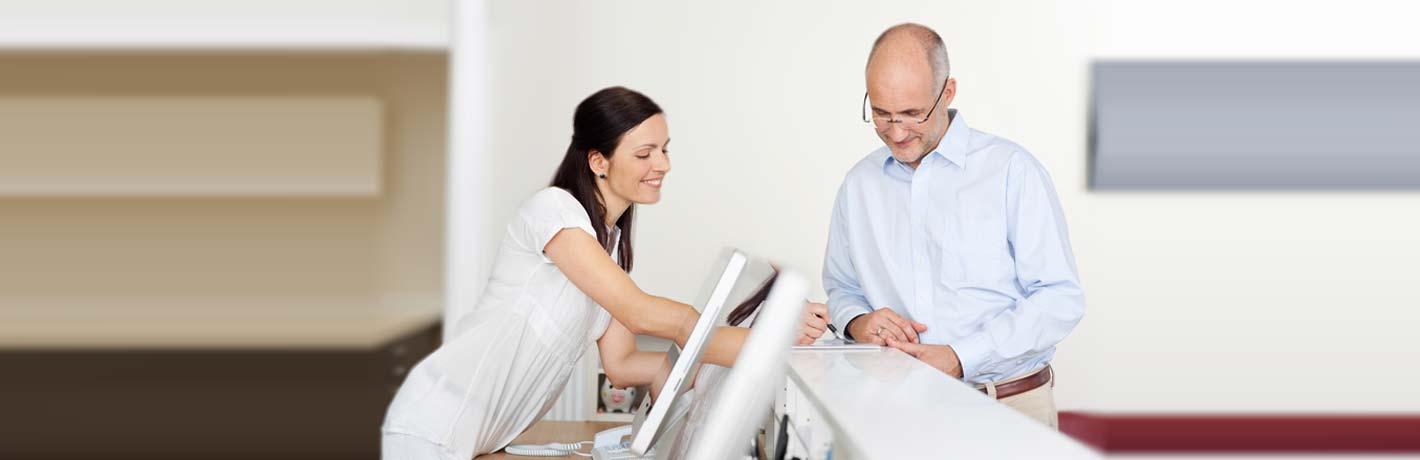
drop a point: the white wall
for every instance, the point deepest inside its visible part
(1218, 294)
(1198, 301)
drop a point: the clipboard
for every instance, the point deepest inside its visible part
(839, 345)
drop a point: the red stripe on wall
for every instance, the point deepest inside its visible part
(1244, 433)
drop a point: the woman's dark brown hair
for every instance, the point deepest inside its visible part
(750, 305)
(600, 122)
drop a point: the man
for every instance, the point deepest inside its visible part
(949, 243)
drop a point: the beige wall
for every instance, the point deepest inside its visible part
(253, 12)
(1197, 300)
(176, 257)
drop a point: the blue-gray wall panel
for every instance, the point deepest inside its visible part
(1255, 125)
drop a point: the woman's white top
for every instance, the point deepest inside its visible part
(508, 360)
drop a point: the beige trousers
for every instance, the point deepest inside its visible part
(1038, 404)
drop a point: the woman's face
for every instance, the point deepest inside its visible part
(636, 170)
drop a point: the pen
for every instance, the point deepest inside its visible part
(832, 329)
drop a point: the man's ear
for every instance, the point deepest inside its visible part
(950, 92)
(598, 163)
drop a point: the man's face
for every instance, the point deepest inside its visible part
(903, 88)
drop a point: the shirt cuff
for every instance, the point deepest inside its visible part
(846, 315)
(973, 351)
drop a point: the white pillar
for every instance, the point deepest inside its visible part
(468, 183)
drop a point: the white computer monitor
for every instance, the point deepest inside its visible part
(722, 421)
(653, 417)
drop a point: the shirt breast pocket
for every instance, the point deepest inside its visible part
(979, 255)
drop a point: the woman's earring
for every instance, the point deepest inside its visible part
(603, 176)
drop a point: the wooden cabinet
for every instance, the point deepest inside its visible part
(217, 403)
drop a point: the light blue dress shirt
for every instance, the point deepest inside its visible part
(972, 243)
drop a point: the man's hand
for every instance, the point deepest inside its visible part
(815, 321)
(883, 324)
(942, 357)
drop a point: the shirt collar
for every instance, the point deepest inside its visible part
(953, 147)
(954, 144)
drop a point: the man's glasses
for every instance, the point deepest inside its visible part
(884, 121)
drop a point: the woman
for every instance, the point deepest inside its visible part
(559, 281)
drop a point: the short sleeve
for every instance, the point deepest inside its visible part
(542, 216)
(602, 323)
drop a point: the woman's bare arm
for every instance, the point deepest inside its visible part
(588, 266)
(626, 366)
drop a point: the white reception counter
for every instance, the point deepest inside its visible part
(884, 404)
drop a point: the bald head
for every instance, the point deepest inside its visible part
(907, 82)
(913, 42)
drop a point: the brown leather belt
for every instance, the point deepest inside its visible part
(1015, 387)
